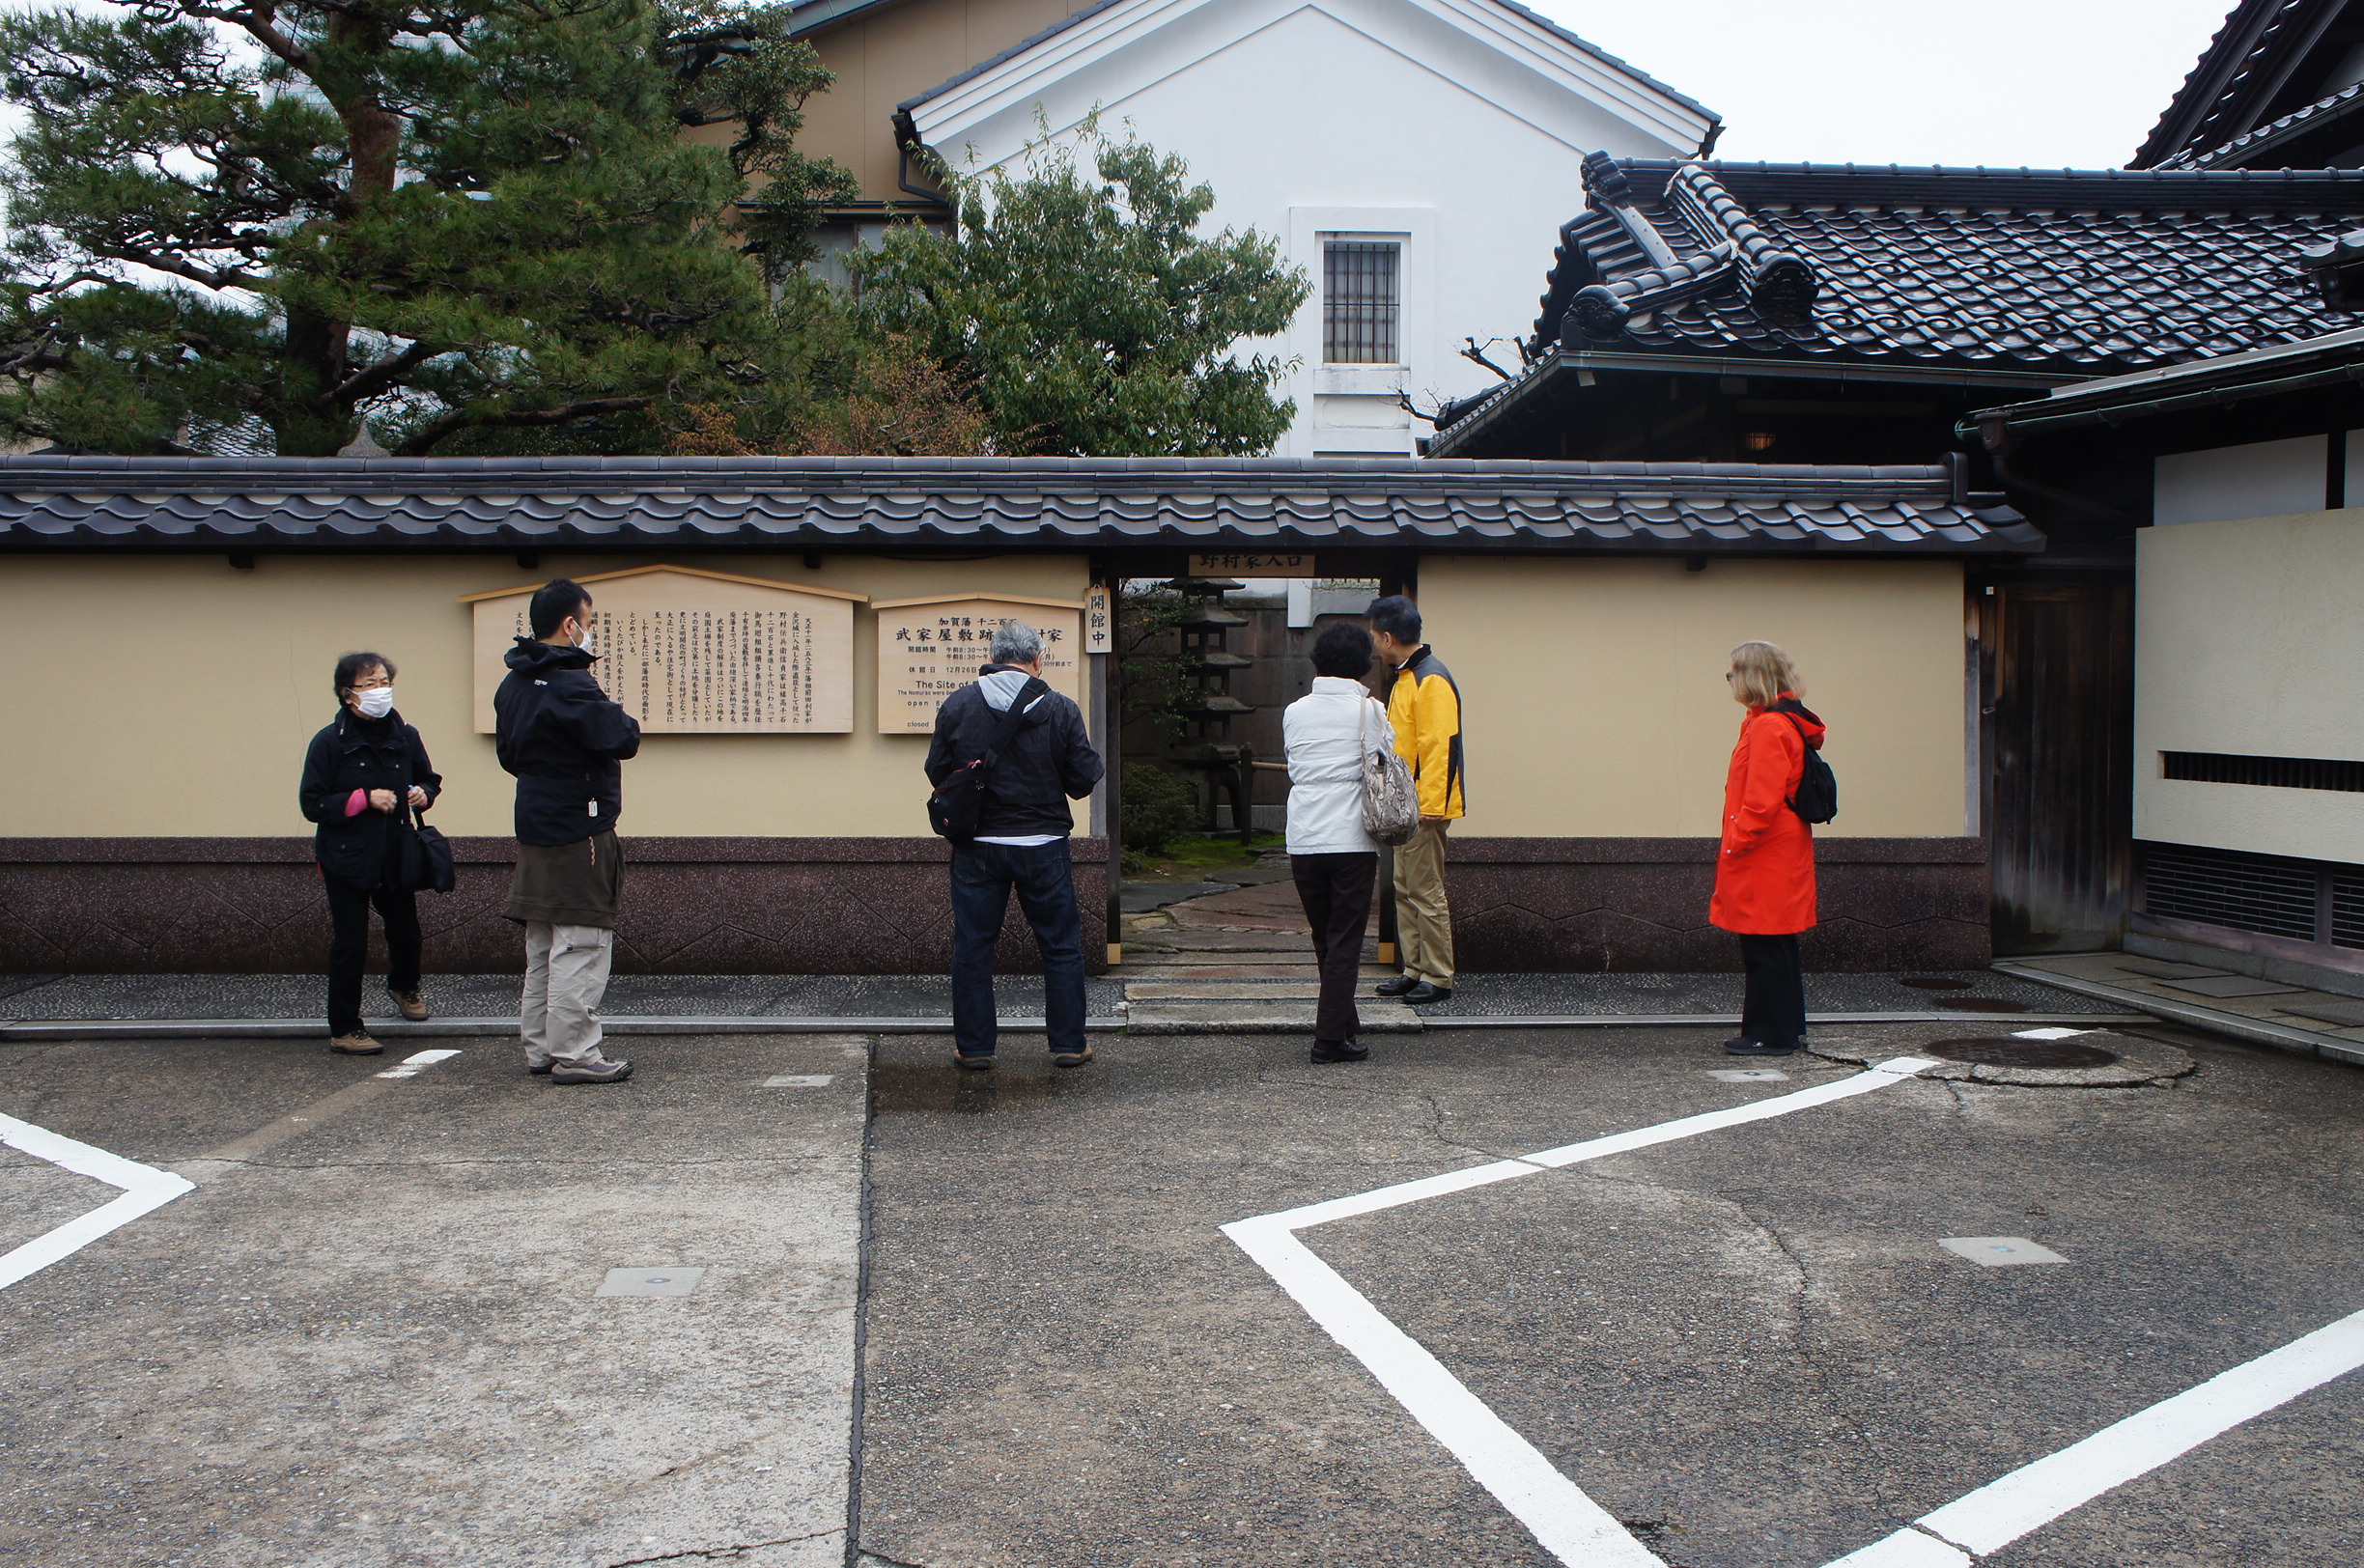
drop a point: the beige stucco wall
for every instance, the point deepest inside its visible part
(2247, 641)
(175, 695)
(1594, 704)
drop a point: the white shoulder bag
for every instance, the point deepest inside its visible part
(1391, 805)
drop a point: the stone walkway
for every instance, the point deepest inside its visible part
(1240, 959)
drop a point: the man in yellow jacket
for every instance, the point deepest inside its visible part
(1426, 708)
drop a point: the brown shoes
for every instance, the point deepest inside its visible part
(410, 1004)
(355, 1044)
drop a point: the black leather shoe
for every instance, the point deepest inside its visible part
(1349, 1049)
(1426, 992)
(1743, 1047)
(1397, 986)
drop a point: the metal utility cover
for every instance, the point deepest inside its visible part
(1748, 1075)
(2159, 969)
(650, 1282)
(2233, 985)
(2346, 1015)
(800, 1080)
(1999, 1252)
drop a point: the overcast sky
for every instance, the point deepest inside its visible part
(2072, 83)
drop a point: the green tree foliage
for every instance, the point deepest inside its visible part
(476, 222)
(1092, 315)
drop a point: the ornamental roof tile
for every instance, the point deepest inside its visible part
(50, 502)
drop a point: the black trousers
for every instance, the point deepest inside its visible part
(1773, 1005)
(349, 909)
(1336, 890)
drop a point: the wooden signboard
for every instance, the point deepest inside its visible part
(689, 652)
(930, 648)
(1255, 563)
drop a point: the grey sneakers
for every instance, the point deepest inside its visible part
(590, 1073)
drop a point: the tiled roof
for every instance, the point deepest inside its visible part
(2254, 145)
(1063, 503)
(1533, 18)
(2245, 65)
(2071, 273)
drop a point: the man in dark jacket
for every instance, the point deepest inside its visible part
(1021, 842)
(562, 737)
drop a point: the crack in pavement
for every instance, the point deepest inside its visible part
(723, 1553)
(1802, 1342)
(1434, 1131)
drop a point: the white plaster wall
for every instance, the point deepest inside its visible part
(2263, 479)
(1372, 117)
(2248, 640)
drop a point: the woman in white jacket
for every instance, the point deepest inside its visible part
(1333, 859)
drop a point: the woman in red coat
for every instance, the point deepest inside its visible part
(1764, 885)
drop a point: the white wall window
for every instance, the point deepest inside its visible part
(1361, 301)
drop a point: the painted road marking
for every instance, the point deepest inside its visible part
(411, 1066)
(2048, 1034)
(1577, 1531)
(1999, 1252)
(1556, 1511)
(2000, 1512)
(145, 1187)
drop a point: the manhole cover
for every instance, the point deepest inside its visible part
(1933, 982)
(1981, 1004)
(2001, 1050)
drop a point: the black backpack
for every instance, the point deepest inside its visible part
(1818, 793)
(955, 807)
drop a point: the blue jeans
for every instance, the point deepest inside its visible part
(982, 877)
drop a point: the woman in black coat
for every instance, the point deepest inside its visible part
(363, 778)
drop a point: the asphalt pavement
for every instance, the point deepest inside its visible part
(373, 1332)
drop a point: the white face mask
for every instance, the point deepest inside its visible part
(377, 701)
(585, 643)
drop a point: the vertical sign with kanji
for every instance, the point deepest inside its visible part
(1099, 621)
(930, 648)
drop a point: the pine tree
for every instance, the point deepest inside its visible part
(1092, 317)
(475, 223)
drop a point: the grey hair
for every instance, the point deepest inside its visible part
(1014, 642)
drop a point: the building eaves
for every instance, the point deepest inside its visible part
(1546, 24)
(812, 16)
(2344, 104)
(685, 504)
(2334, 359)
(2239, 71)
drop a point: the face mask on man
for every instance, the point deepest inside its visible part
(377, 701)
(583, 642)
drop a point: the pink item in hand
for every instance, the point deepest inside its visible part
(356, 805)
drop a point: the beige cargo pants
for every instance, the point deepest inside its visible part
(566, 977)
(1423, 924)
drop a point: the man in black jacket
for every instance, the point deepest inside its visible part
(565, 740)
(1021, 842)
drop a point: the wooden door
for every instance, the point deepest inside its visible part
(2058, 735)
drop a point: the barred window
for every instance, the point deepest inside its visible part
(1359, 301)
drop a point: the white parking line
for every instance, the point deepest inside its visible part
(145, 1187)
(1555, 1510)
(412, 1065)
(1578, 1530)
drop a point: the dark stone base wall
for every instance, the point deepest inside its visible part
(691, 906)
(1561, 905)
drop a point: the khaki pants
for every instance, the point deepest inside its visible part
(1423, 925)
(566, 975)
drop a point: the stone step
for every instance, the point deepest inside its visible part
(1259, 1018)
(1130, 972)
(1246, 991)
(1221, 941)
(1177, 957)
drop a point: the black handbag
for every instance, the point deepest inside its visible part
(426, 859)
(955, 807)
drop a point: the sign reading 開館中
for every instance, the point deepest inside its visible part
(930, 648)
(1099, 621)
(687, 651)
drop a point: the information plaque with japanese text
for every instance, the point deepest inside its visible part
(689, 652)
(930, 648)
(1255, 563)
